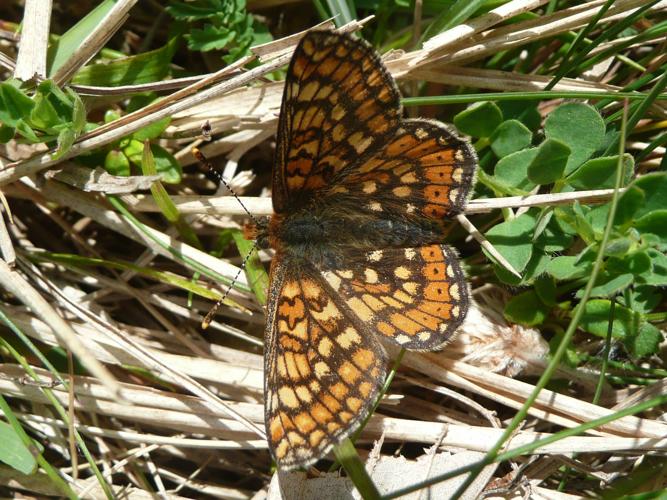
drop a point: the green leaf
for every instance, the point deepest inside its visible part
(61, 49)
(545, 288)
(608, 285)
(644, 298)
(628, 205)
(512, 170)
(646, 342)
(152, 131)
(658, 275)
(44, 115)
(6, 133)
(581, 223)
(566, 267)
(15, 106)
(116, 163)
(595, 319)
(526, 309)
(513, 239)
(553, 238)
(210, 38)
(524, 111)
(654, 223)
(637, 263)
(618, 247)
(27, 132)
(66, 138)
(13, 452)
(479, 120)
(78, 112)
(549, 162)
(166, 165)
(196, 11)
(146, 67)
(654, 186)
(580, 127)
(600, 173)
(509, 137)
(134, 151)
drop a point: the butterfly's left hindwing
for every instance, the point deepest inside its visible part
(322, 368)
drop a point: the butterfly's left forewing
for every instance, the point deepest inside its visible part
(322, 369)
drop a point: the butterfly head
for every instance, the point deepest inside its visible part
(258, 230)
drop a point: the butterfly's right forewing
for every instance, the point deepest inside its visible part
(339, 103)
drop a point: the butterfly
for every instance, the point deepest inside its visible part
(360, 196)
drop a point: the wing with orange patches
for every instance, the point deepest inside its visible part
(339, 103)
(322, 369)
(415, 297)
(425, 170)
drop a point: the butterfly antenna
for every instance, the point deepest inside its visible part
(209, 317)
(215, 176)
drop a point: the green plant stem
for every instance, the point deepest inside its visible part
(565, 66)
(347, 456)
(605, 353)
(524, 96)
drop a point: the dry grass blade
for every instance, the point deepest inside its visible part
(31, 61)
(16, 284)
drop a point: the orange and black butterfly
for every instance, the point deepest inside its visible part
(360, 196)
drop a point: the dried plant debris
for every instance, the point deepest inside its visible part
(116, 242)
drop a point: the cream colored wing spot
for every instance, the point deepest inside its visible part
(402, 272)
(361, 309)
(324, 347)
(375, 256)
(402, 191)
(348, 338)
(371, 275)
(333, 279)
(369, 187)
(304, 394)
(453, 194)
(288, 397)
(421, 133)
(321, 369)
(424, 336)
